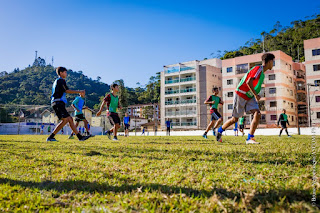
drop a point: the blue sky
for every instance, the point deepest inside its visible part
(132, 40)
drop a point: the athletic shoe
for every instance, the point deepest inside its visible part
(252, 141)
(214, 132)
(205, 136)
(84, 138)
(115, 139)
(289, 136)
(218, 136)
(51, 139)
(243, 134)
(71, 137)
(108, 133)
(91, 136)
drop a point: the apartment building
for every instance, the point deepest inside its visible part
(278, 91)
(312, 63)
(148, 111)
(184, 88)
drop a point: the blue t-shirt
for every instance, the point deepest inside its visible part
(236, 125)
(78, 103)
(168, 123)
(126, 120)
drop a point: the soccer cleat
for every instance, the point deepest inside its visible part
(252, 141)
(51, 139)
(289, 136)
(71, 137)
(219, 136)
(84, 138)
(108, 133)
(115, 139)
(214, 132)
(205, 136)
(243, 134)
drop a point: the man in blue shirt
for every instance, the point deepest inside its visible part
(168, 124)
(126, 123)
(58, 103)
(78, 105)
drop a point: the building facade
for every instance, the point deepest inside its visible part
(184, 88)
(149, 111)
(312, 63)
(278, 92)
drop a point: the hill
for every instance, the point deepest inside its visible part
(33, 86)
(288, 39)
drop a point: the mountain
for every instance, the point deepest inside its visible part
(33, 86)
(288, 39)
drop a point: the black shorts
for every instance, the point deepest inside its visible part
(126, 126)
(114, 118)
(241, 126)
(59, 108)
(283, 124)
(80, 117)
(215, 115)
(168, 129)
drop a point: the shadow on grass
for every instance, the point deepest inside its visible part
(272, 196)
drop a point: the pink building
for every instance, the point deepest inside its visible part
(312, 58)
(279, 90)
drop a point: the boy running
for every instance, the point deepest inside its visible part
(78, 105)
(216, 118)
(241, 125)
(112, 101)
(126, 124)
(283, 120)
(58, 103)
(246, 98)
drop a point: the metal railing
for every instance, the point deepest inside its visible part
(188, 79)
(171, 81)
(172, 92)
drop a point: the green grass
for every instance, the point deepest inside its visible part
(156, 174)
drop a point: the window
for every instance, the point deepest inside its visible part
(315, 52)
(229, 69)
(273, 117)
(289, 66)
(291, 92)
(317, 82)
(272, 90)
(230, 94)
(272, 77)
(292, 118)
(290, 80)
(291, 105)
(242, 68)
(317, 98)
(230, 106)
(316, 67)
(273, 104)
(274, 63)
(230, 82)
(318, 114)
(219, 88)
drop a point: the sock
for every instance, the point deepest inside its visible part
(52, 135)
(287, 132)
(79, 136)
(220, 130)
(280, 132)
(72, 134)
(250, 136)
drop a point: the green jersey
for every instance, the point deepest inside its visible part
(241, 121)
(112, 102)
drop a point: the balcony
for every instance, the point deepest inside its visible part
(169, 92)
(171, 102)
(174, 124)
(172, 81)
(171, 70)
(188, 101)
(182, 69)
(182, 113)
(188, 123)
(188, 90)
(187, 79)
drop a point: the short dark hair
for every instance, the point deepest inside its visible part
(215, 88)
(267, 57)
(113, 85)
(60, 69)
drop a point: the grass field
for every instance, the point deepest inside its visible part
(156, 174)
